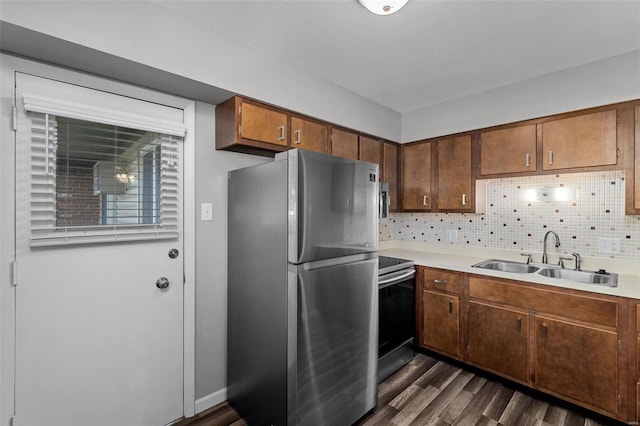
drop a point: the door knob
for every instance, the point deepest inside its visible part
(162, 283)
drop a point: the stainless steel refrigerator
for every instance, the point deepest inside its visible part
(302, 290)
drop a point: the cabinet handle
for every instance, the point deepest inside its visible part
(519, 324)
(298, 134)
(527, 160)
(464, 199)
(441, 282)
(281, 128)
(544, 332)
(450, 307)
(425, 198)
(550, 155)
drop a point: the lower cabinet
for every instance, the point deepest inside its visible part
(498, 340)
(570, 344)
(441, 322)
(439, 310)
(577, 361)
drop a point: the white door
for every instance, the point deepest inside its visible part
(99, 296)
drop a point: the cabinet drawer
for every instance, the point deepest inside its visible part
(441, 280)
(583, 308)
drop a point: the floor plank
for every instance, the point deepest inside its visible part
(430, 391)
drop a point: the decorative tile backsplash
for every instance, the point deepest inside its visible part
(595, 209)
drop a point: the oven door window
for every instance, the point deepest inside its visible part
(396, 315)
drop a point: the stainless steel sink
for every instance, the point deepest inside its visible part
(507, 266)
(587, 277)
(551, 271)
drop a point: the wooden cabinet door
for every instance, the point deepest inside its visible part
(454, 174)
(636, 189)
(509, 150)
(390, 156)
(416, 176)
(441, 322)
(578, 362)
(309, 135)
(263, 124)
(498, 340)
(344, 143)
(584, 141)
(370, 150)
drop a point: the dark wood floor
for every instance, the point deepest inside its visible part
(428, 391)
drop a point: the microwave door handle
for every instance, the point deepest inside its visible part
(396, 278)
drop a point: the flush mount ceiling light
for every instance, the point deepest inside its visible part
(383, 7)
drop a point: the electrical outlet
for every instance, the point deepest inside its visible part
(451, 235)
(609, 245)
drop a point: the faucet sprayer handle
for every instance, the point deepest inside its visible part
(561, 260)
(529, 258)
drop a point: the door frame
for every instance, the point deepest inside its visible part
(9, 65)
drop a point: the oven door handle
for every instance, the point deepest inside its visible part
(395, 277)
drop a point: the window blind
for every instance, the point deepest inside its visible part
(95, 182)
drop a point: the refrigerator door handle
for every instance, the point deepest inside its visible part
(325, 263)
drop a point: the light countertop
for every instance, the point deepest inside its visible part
(460, 258)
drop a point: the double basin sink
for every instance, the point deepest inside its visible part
(600, 277)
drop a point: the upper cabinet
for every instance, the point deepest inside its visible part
(309, 134)
(455, 181)
(416, 176)
(636, 187)
(390, 157)
(629, 146)
(245, 125)
(344, 143)
(370, 150)
(509, 150)
(251, 127)
(586, 140)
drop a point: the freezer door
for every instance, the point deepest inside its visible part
(337, 339)
(333, 206)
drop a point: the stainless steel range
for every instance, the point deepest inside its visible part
(396, 307)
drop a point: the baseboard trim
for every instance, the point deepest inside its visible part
(211, 400)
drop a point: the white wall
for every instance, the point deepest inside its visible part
(598, 83)
(149, 34)
(211, 258)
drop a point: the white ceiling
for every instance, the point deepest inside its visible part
(429, 52)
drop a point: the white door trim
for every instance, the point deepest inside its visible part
(8, 66)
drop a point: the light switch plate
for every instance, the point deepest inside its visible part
(451, 235)
(609, 245)
(206, 211)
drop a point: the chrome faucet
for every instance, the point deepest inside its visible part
(544, 248)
